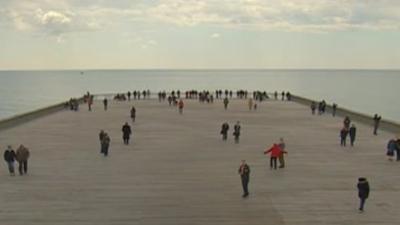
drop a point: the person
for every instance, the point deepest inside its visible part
(334, 108)
(275, 151)
(22, 156)
(90, 102)
(105, 144)
(226, 102)
(391, 148)
(313, 107)
(281, 157)
(236, 131)
(133, 113)
(244, 172)
(276, 95)
(9, 157)
(352, 134)
(105, 103)
(224, 131)
(346, 122)
(363, 191)
(101, 136)
(343, 136)
(398, 149)
(376, 119)
(129, 95)
(180, 106)
(126, 133)
(250, 104)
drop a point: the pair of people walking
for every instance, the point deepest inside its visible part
(236, 131)
(351, 132)
(21, 156)
(276, 152)
(105, 141)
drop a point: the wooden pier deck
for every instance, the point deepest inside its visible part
(178, 171)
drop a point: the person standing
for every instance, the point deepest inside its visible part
(377, 120)
(363, 191)
(391, 148)
(281, 157)
(105, 144)
(133, 113)
(244, 172)
(101, 136)
(352, 134)
(343, 136)
(226, 102)
(126, 133)
(334, 108)
(180, 106)
(275, 152)
(224, 131)
(90, 102)
(250, 104)
(236, 131)
(9, 157)
(105, 103)
(22, 156)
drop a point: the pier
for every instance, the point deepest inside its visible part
(178, 171)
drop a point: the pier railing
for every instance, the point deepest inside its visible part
(366, 119)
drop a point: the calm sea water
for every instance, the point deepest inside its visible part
(367, 91)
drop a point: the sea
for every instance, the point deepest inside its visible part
(366, 91)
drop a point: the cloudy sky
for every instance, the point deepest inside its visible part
(193, 34)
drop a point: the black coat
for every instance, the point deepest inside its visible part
(9, 156)
(352, 132)
(363, 189)
(126, 129)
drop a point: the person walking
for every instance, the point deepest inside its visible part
(313, 107)
(101, 136)
(224, 131)
(352, 134)
(236, 131)
(22, 156)
(250, 104)
(9, 157)
(180, 106)
(226, 102)
(133, 113)
(275, 152)
(343, 136)
(377, 120)
(244, 172)
(334, 108)
(105, 104)
(281, 157)
(363, 192)
(105, 144)
(126, 133)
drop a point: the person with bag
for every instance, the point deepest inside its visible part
(244, 172)
(9, 157)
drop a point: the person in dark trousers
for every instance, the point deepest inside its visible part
(275, 151)
(133, 113)
(126, 133)
(105, 103)
(391, 149)
(352, 134)
(236, 131)
(244, 172)
(224, 131)
(334, 108)
(377, 120)
(9, 157)
(313, 107)
(343, 136)
(363, 191)
(101, 136)
(226, 102)
(22, 156)
(105, 144)
(129, 95)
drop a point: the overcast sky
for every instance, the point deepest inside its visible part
(193, 34)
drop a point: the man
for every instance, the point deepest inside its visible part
(224, 131)
(22, 156)
(376, 119)
(244, 172)
(133, 113)
(363, 191)
(105, 103)
(275, 151)
(343, 136)
(9, 157)
(334, 108)
(105, 144)
(236, 131)
(126, 133)
(352, 134)
(226, 102)
(101, 137)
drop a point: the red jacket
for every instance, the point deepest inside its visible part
(275, 151)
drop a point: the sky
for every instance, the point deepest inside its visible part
(199, 34)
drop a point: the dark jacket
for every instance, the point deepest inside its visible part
(236, 130)
(352, 132)
(244, 171)
(224, 128)
(363, 189)
(343, 133)
(126, 129)
(9, 155)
